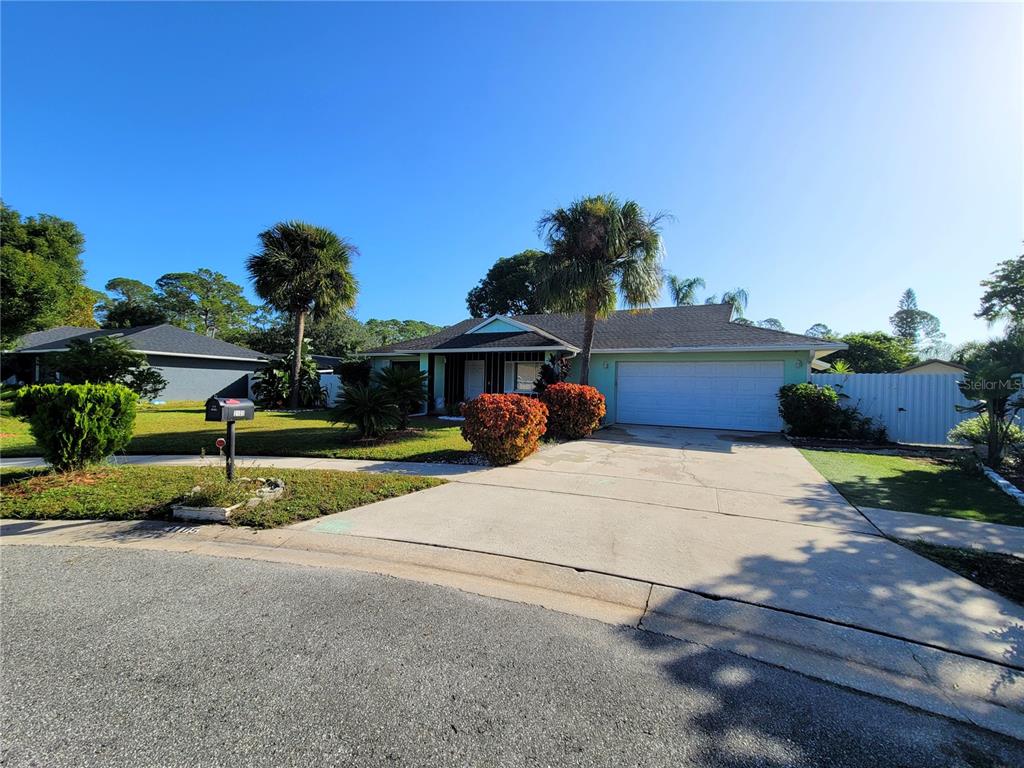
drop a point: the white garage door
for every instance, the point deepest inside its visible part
(730, 395)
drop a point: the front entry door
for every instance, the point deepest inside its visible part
(473, 384)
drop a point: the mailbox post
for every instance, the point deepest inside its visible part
(230, 410)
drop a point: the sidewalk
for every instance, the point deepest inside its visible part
(285, 462)
(948, 531)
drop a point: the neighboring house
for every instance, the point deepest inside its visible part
(934, 365)
(674, 366)
(326, 363)
(195, 366)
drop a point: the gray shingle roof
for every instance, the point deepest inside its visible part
(159, 339)
(507, 340)
(703, 325)
(60, 333)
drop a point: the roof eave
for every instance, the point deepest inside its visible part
(726, 348)
(157, 352)
(441, 351)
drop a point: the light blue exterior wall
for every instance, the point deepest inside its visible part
(603, 368)
(498, 326)
(379, 363)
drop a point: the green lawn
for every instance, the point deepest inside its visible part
(909, 484)
(179, 428)
(130, 492)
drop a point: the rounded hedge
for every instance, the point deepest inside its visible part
(504, 428)
(808, 409)
(77, 424)
(574, 410)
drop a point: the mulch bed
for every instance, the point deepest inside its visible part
(1001, 573)
(886, 449)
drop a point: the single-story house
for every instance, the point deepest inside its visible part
(675, 366)
(934, 365)
(195, 366)
(325, 364)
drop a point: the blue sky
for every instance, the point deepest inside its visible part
(825, 157)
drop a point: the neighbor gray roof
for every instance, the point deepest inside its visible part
(700, 326)
(157, 339)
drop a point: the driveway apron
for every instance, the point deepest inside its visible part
(723, 514)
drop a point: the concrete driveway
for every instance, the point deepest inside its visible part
(720, 514)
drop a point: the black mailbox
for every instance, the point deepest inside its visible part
(230, 409)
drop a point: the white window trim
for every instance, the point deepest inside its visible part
(515, 375)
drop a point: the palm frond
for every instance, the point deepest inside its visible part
(683, 290)
(304, 268)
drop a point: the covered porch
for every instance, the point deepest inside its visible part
(455, 377)
(493, 356)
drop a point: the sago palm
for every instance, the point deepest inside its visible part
(407, 387)
(684, 289)
(599, 247)
(369, 409)
(305, 271)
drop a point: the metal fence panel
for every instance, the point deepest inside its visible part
(332, 383)
(915, 408)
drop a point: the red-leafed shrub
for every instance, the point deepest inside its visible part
(504, 428)
(574, 410)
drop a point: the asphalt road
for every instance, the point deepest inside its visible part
(120, 658)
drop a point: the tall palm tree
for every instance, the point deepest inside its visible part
(684, 289)
(304, 271)
(738, 297)
(598, 247)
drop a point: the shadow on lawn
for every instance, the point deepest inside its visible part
(947, 493)
(309, 442)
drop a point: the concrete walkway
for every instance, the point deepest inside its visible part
(948, 531)
(284, 462)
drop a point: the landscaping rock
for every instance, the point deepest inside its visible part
(269, 489)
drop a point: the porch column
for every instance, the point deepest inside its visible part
(430, 383)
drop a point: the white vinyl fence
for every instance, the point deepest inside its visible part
(915, 408)
(332, 383)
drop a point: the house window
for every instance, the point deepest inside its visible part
(526, 374)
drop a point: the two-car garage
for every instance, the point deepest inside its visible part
(716, 395)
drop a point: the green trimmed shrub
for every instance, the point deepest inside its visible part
(574, 410)
(807, 408)
(813, 411)
(77, 424)
(504, 428)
